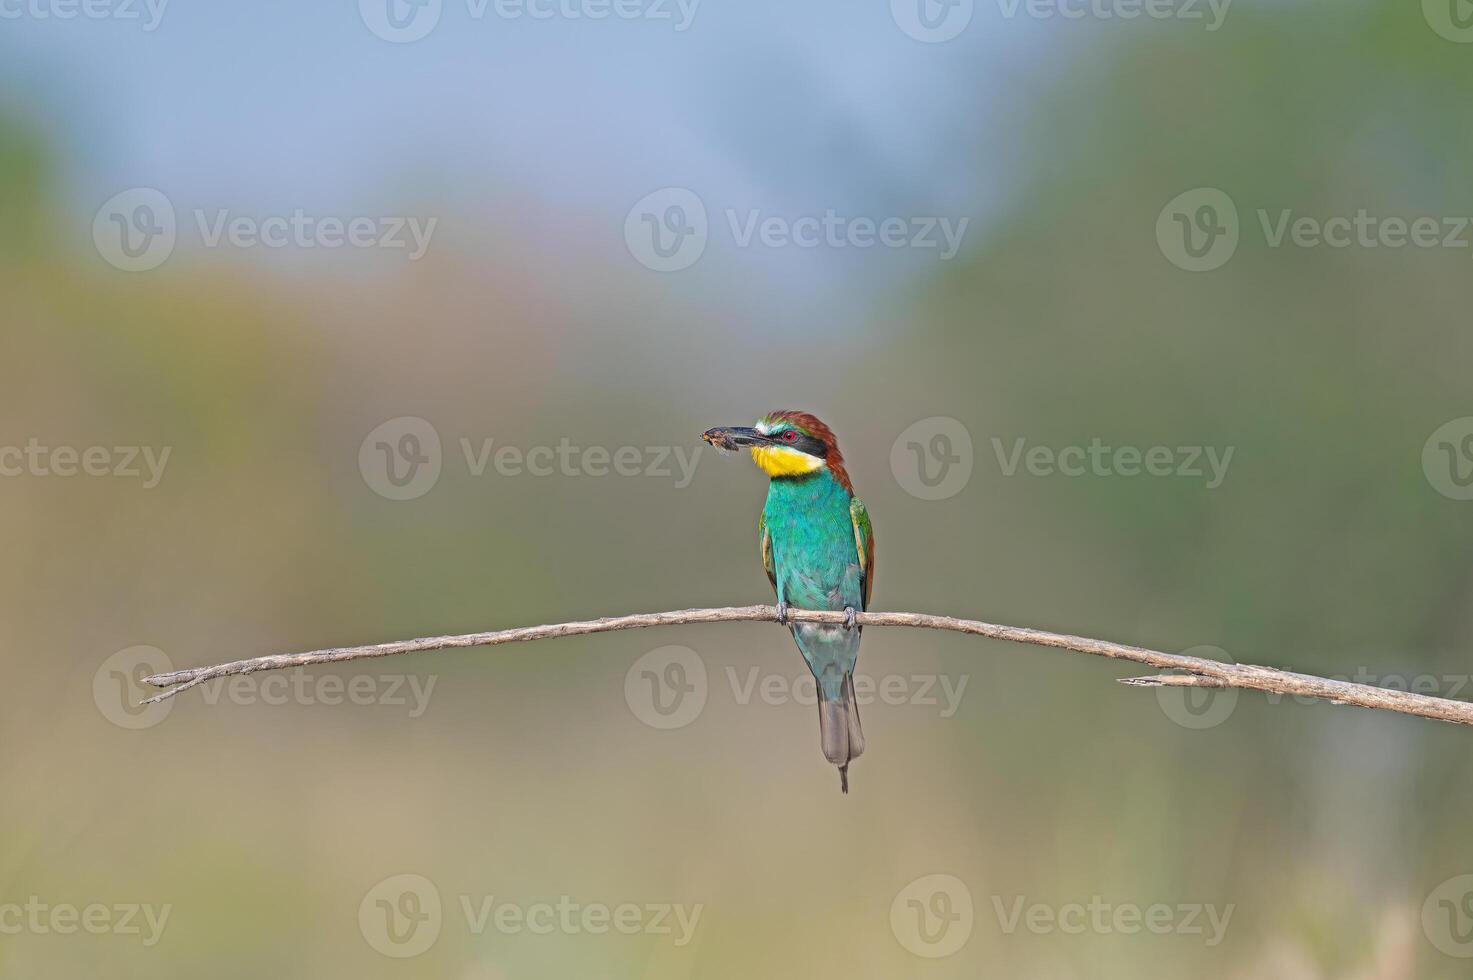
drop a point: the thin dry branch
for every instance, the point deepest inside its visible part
(1199, 672)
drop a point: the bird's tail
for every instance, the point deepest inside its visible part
(838, 727)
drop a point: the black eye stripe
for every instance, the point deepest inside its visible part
(803, 443)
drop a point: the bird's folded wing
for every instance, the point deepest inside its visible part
(767, 551)
(864, 541)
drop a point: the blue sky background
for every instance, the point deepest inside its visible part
(790, 109)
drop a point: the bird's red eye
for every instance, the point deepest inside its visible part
(790, 436)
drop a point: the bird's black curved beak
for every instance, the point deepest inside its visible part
(734, 437)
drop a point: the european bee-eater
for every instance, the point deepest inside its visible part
(819, 552)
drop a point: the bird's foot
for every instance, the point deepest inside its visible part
(782, 613)
(849, 618)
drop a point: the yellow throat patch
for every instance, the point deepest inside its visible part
(781, 461)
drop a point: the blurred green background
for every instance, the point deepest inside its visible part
(264, 824)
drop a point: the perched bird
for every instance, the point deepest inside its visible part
(819, 552)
